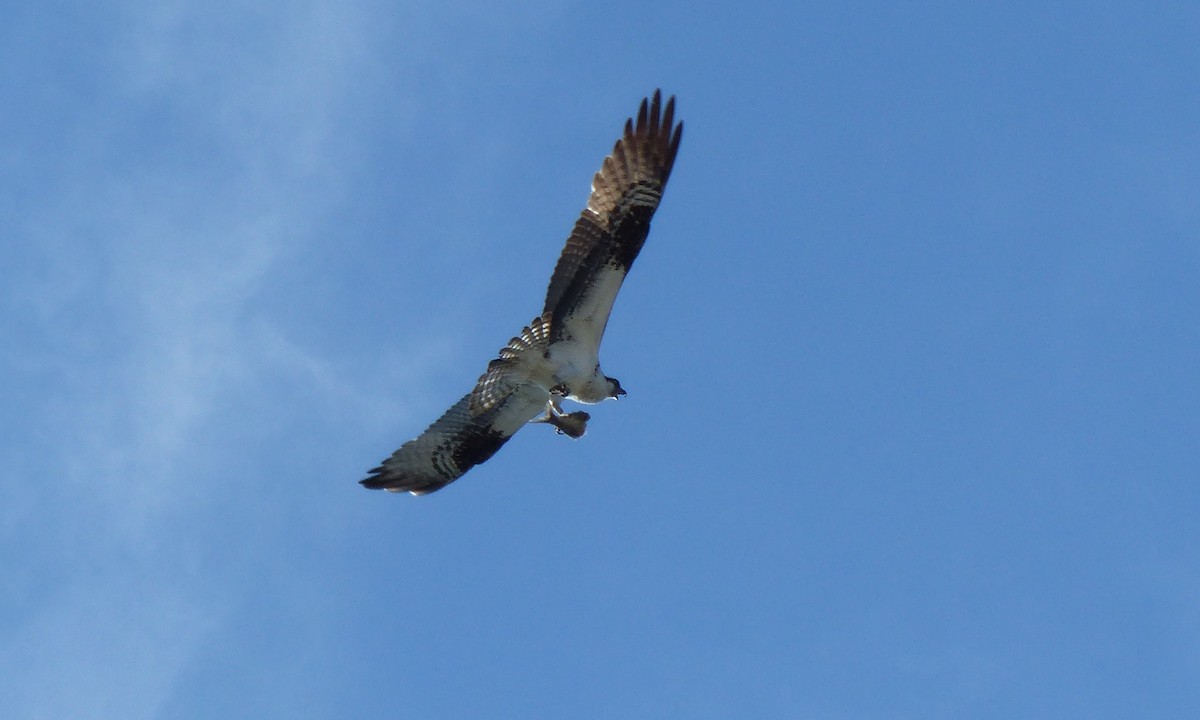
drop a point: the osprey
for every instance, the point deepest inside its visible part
(556, 356)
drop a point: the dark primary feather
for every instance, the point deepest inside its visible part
(625, 193)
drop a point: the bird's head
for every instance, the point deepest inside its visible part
(615, 389)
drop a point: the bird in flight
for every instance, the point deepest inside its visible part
(556, 356)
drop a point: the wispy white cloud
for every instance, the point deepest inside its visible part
(201, 162)
(212, 153)
(109, 644)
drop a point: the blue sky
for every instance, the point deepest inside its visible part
(911, 353)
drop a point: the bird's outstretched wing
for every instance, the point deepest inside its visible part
(502, 402)
(612, 228)
(454, 444)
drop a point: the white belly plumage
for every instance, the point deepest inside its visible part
(573, 363)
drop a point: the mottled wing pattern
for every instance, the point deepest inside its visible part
(497, 382)
(626, 191)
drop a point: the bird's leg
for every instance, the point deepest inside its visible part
(572, 424)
